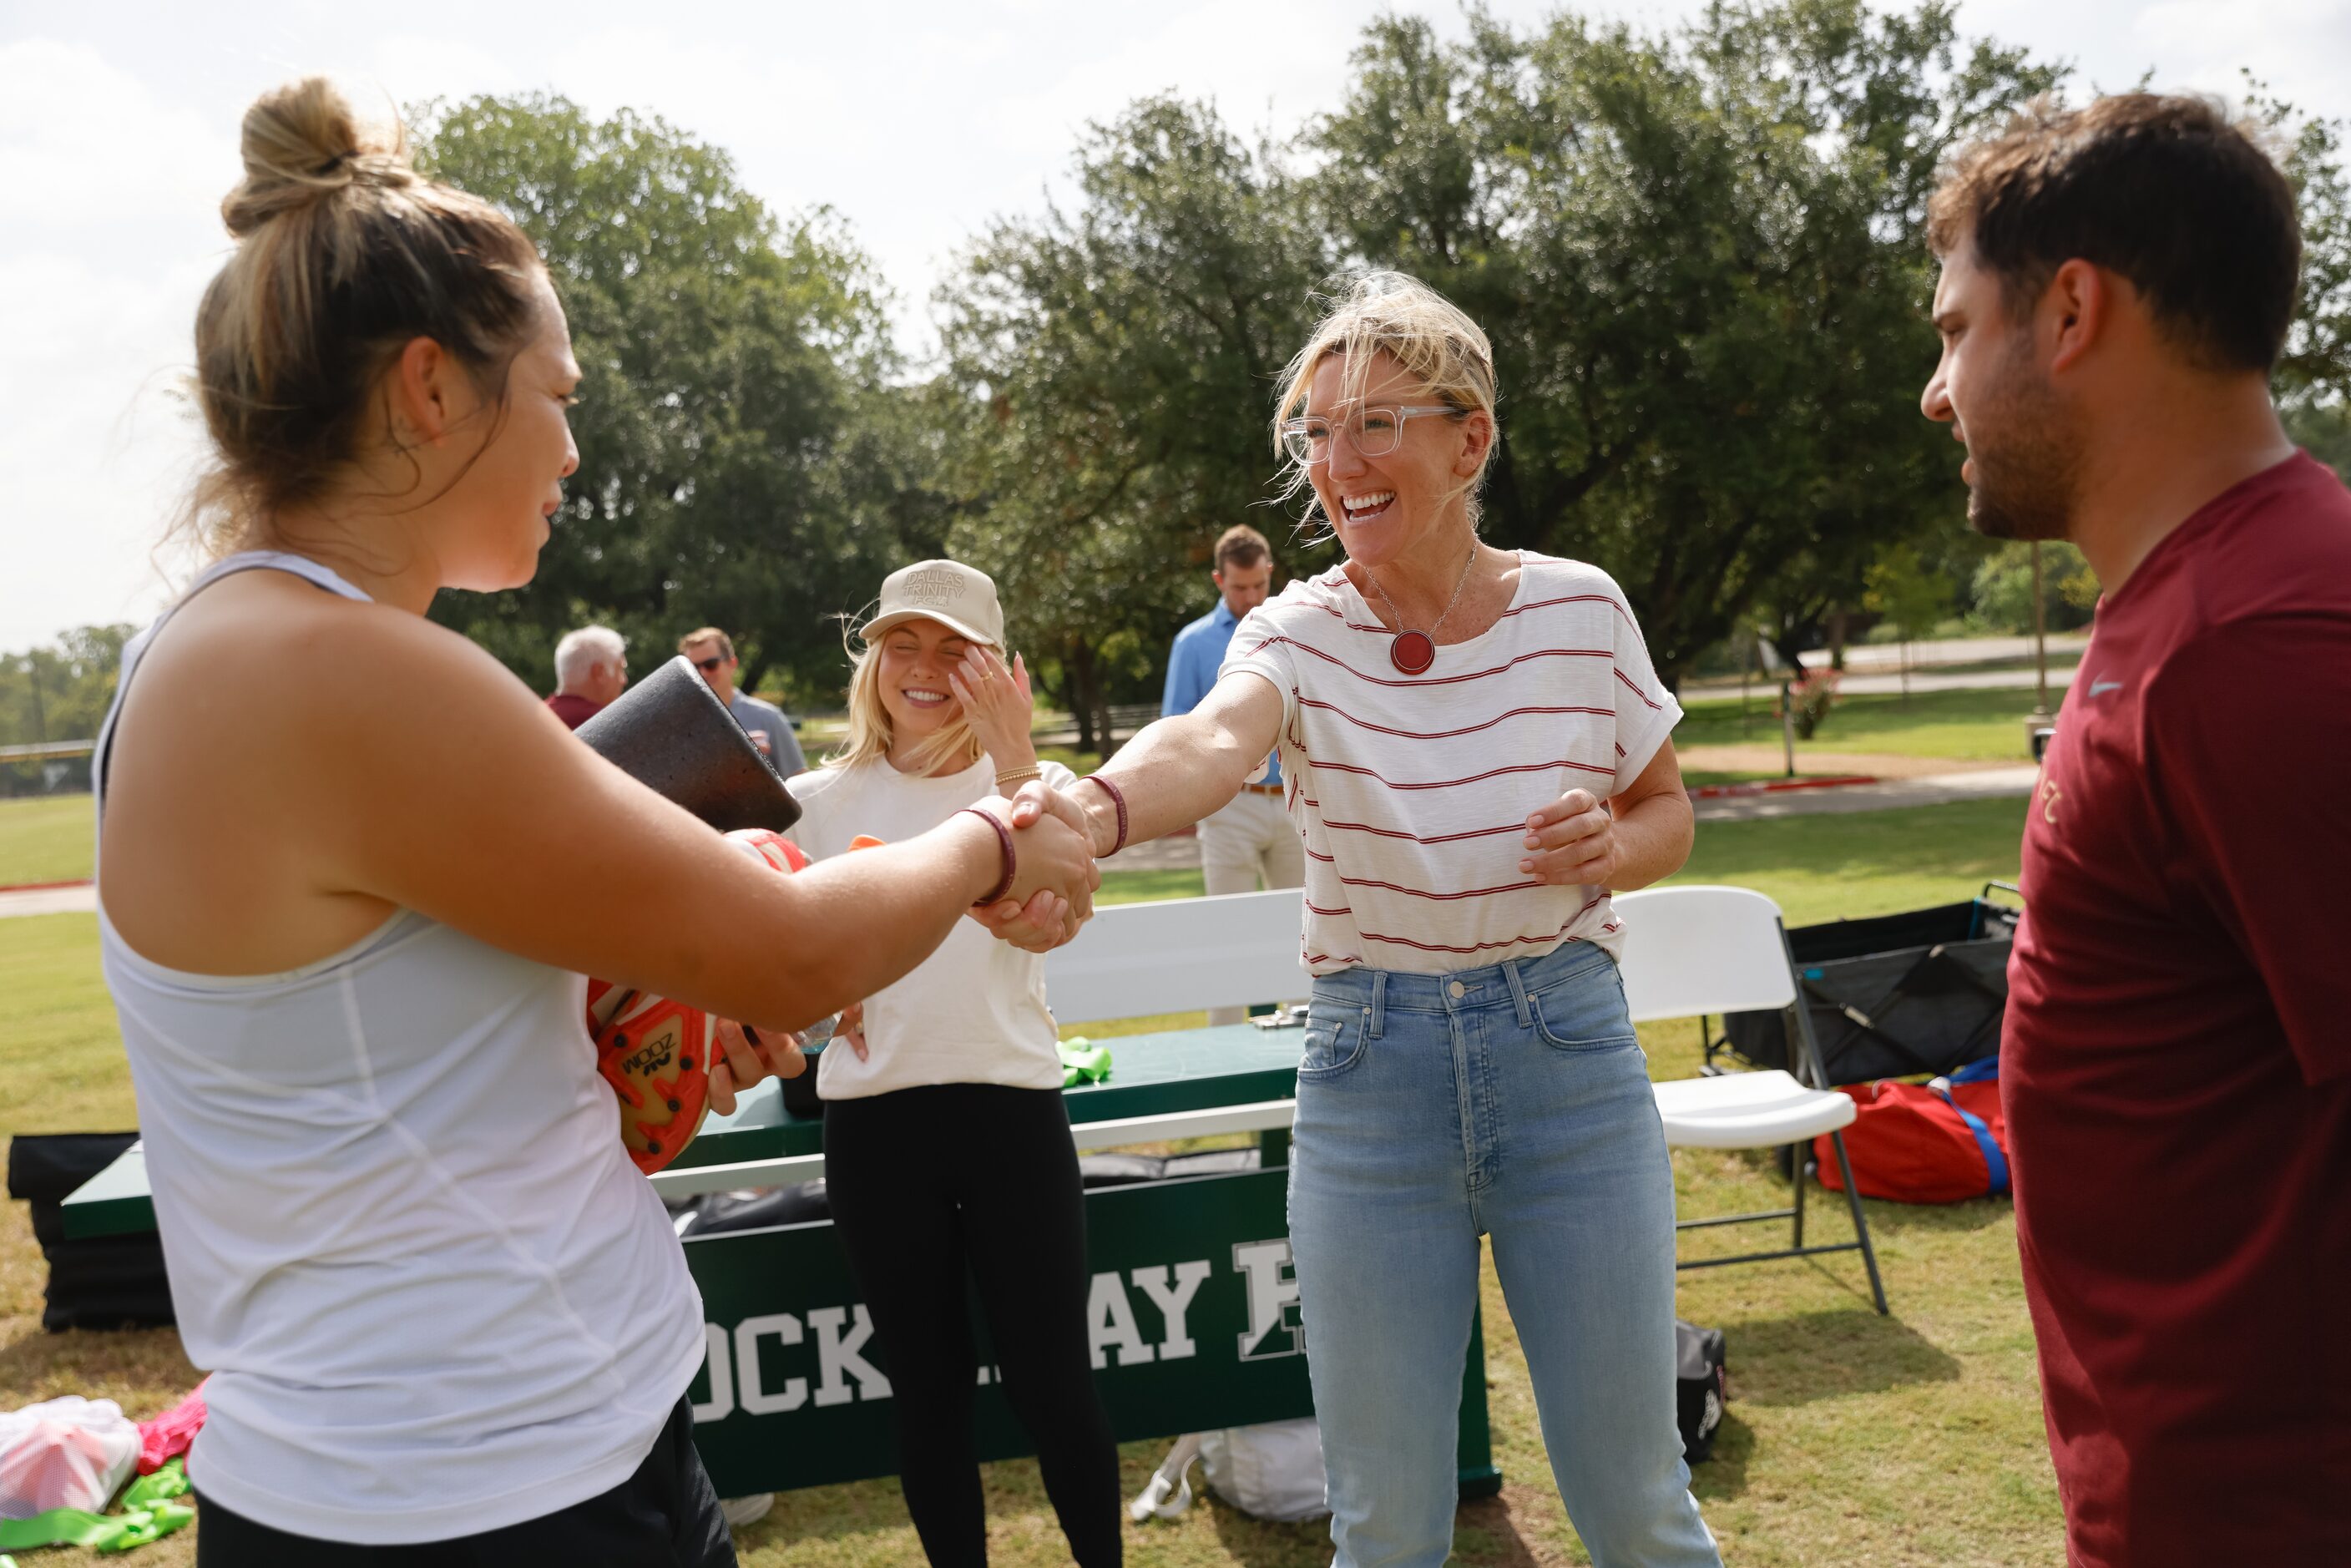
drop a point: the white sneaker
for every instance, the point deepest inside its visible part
(743, 1510)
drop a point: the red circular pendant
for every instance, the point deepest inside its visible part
(1412, 652)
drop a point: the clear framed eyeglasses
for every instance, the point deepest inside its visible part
(1373, 431)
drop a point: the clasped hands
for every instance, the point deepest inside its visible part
(1053, 883)
(1054, 875)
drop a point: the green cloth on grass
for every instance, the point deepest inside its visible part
(147, 1516)
(1082, 1061)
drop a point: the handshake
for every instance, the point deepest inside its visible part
(1049, 844)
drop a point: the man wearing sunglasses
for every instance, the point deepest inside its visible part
(713, 652)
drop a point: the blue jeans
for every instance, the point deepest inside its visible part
(1513, 1102)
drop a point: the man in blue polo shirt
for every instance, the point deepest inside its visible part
(1251, 839)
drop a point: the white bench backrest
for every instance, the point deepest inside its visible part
(1134, 960)
(1696, 951)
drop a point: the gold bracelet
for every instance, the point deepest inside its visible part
(1011, 775)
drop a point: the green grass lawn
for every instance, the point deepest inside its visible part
(1144, 886)
(1863, 863)
(45, 838)
(1965, 726)
(1851, 1439)
(61, 1066)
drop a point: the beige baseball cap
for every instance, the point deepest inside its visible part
(948, 592)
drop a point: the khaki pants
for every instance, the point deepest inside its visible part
(1248, 841)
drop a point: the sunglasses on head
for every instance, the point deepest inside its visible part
(708, 665)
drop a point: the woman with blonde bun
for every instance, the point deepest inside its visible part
(351, 874)
(1477, 751)
(948, 1154)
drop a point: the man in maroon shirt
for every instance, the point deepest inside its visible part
(2116, 285)
(592, 668)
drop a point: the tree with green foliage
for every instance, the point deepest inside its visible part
(2314, 379)
(58, 692)
(1905, 592)
(2315, 370)
(1697, 254)
(743, 459)
(2001, 590)
(1116, 367)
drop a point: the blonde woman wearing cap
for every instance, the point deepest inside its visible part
(947, 1151)
(1476, 750)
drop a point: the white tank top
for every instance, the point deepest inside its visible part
(434, 1295)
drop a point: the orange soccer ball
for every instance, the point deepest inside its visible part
(656, 1053)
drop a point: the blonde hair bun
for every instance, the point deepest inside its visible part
(302, 142)
(343, 254)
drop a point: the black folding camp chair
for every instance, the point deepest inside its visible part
(1894, 996)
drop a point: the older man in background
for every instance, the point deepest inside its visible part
(713, 652)
(592, 668)
(2119, 282)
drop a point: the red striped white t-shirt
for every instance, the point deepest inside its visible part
(1411, 792)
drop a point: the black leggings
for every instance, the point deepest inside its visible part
(931, 1185)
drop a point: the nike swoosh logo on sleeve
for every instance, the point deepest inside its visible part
(2099, 688)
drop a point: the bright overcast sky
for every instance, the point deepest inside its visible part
(918, 120)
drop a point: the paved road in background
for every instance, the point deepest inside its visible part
(2060, 677)
(1875, 658)
(81, 899)
(1887, 795)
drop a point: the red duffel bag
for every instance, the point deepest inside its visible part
(1936, 1143)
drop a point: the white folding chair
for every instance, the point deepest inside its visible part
(1690, 952)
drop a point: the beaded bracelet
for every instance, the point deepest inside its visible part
(1118, 798)
(1012, 862)
(1012, 776)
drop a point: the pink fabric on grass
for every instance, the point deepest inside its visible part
(167, 1437)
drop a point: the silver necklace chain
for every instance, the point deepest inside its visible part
(1458, 584)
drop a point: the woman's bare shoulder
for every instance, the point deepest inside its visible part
(268, 726)
(270, 641)
(264, 676)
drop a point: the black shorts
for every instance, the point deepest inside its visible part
(664, 1516)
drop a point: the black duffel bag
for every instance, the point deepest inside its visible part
(1702, 1387)
(1893, 996)
(100, 1281)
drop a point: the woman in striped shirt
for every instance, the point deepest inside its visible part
(1477, 749)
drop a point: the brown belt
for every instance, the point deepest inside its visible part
(1263, 789)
